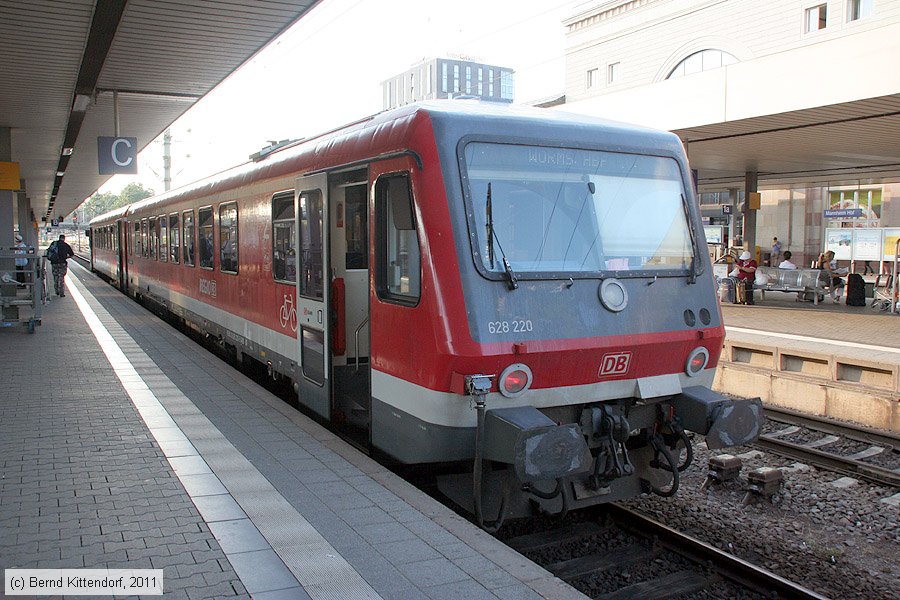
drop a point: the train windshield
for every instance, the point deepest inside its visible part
(572, 211)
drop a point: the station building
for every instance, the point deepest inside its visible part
(796, 101)
(442, 78)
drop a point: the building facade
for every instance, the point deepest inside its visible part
(794, 99)
(442, 78)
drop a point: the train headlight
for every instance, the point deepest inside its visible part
(697, 361)
(515, 380)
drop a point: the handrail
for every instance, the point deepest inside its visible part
(356, 343)
(896, 286)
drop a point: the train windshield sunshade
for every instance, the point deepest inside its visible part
(561, 210)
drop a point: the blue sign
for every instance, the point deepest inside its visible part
(117, 155)
(843, 213)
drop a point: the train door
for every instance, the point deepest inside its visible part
(121, 253)
(313, 293)
(349, 245)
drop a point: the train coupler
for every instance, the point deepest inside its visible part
(612, 431)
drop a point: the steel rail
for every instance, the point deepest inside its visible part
(727, 565)
(879, 437)
(833, 462)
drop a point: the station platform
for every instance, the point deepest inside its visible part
(124, 445)
(829, 359)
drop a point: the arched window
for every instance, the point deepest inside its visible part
(702, 61)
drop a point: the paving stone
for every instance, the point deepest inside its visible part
(428, 573)
(262, 571)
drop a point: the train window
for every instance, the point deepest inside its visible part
(205, 241)
(144, 238)
(154, 238)
(284, 256)
(135, 239)
(312, 356)
(228, 237)
(163, 238)
(311, 224)
(174, 237)
(356, 227)
(189, 236)
(397, 258)
(569, 211)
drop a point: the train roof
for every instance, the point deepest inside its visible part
(389, 131)
(111, 215)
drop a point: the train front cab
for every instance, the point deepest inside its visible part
(392, 341)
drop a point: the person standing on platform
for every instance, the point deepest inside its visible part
(21, 263)
(776, 252)
(747, 274)
(867, 268)
(58, 254)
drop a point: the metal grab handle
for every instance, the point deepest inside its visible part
(895, 287)
(356, 343)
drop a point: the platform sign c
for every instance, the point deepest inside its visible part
(117, 155)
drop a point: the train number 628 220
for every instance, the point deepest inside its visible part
(520, 326)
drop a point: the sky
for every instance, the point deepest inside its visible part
(328, 68)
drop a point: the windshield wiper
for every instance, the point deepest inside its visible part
(511, 281)
(692, 278)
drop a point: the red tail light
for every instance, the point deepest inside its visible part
(515, 380)
(697, 361)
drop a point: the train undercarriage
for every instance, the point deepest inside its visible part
(529, 461)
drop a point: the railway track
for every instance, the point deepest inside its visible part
(857, 452)
(624, 554)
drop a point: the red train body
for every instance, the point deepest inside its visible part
(452, 282)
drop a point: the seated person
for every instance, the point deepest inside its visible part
(786, 263)
(828, 264)
(747, 274)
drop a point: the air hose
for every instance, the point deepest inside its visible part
(478, 473)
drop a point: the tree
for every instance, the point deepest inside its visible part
(99, 204)
(134, 192)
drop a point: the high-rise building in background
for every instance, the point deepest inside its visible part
(449, 78)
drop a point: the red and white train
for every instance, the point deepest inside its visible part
(523, 290)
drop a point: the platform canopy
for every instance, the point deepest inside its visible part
(63, 61)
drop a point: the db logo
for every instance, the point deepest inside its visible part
(616, 363)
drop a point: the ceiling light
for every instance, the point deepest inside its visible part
(60, 173)
(82, 101)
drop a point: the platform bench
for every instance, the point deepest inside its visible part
(814, 281)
